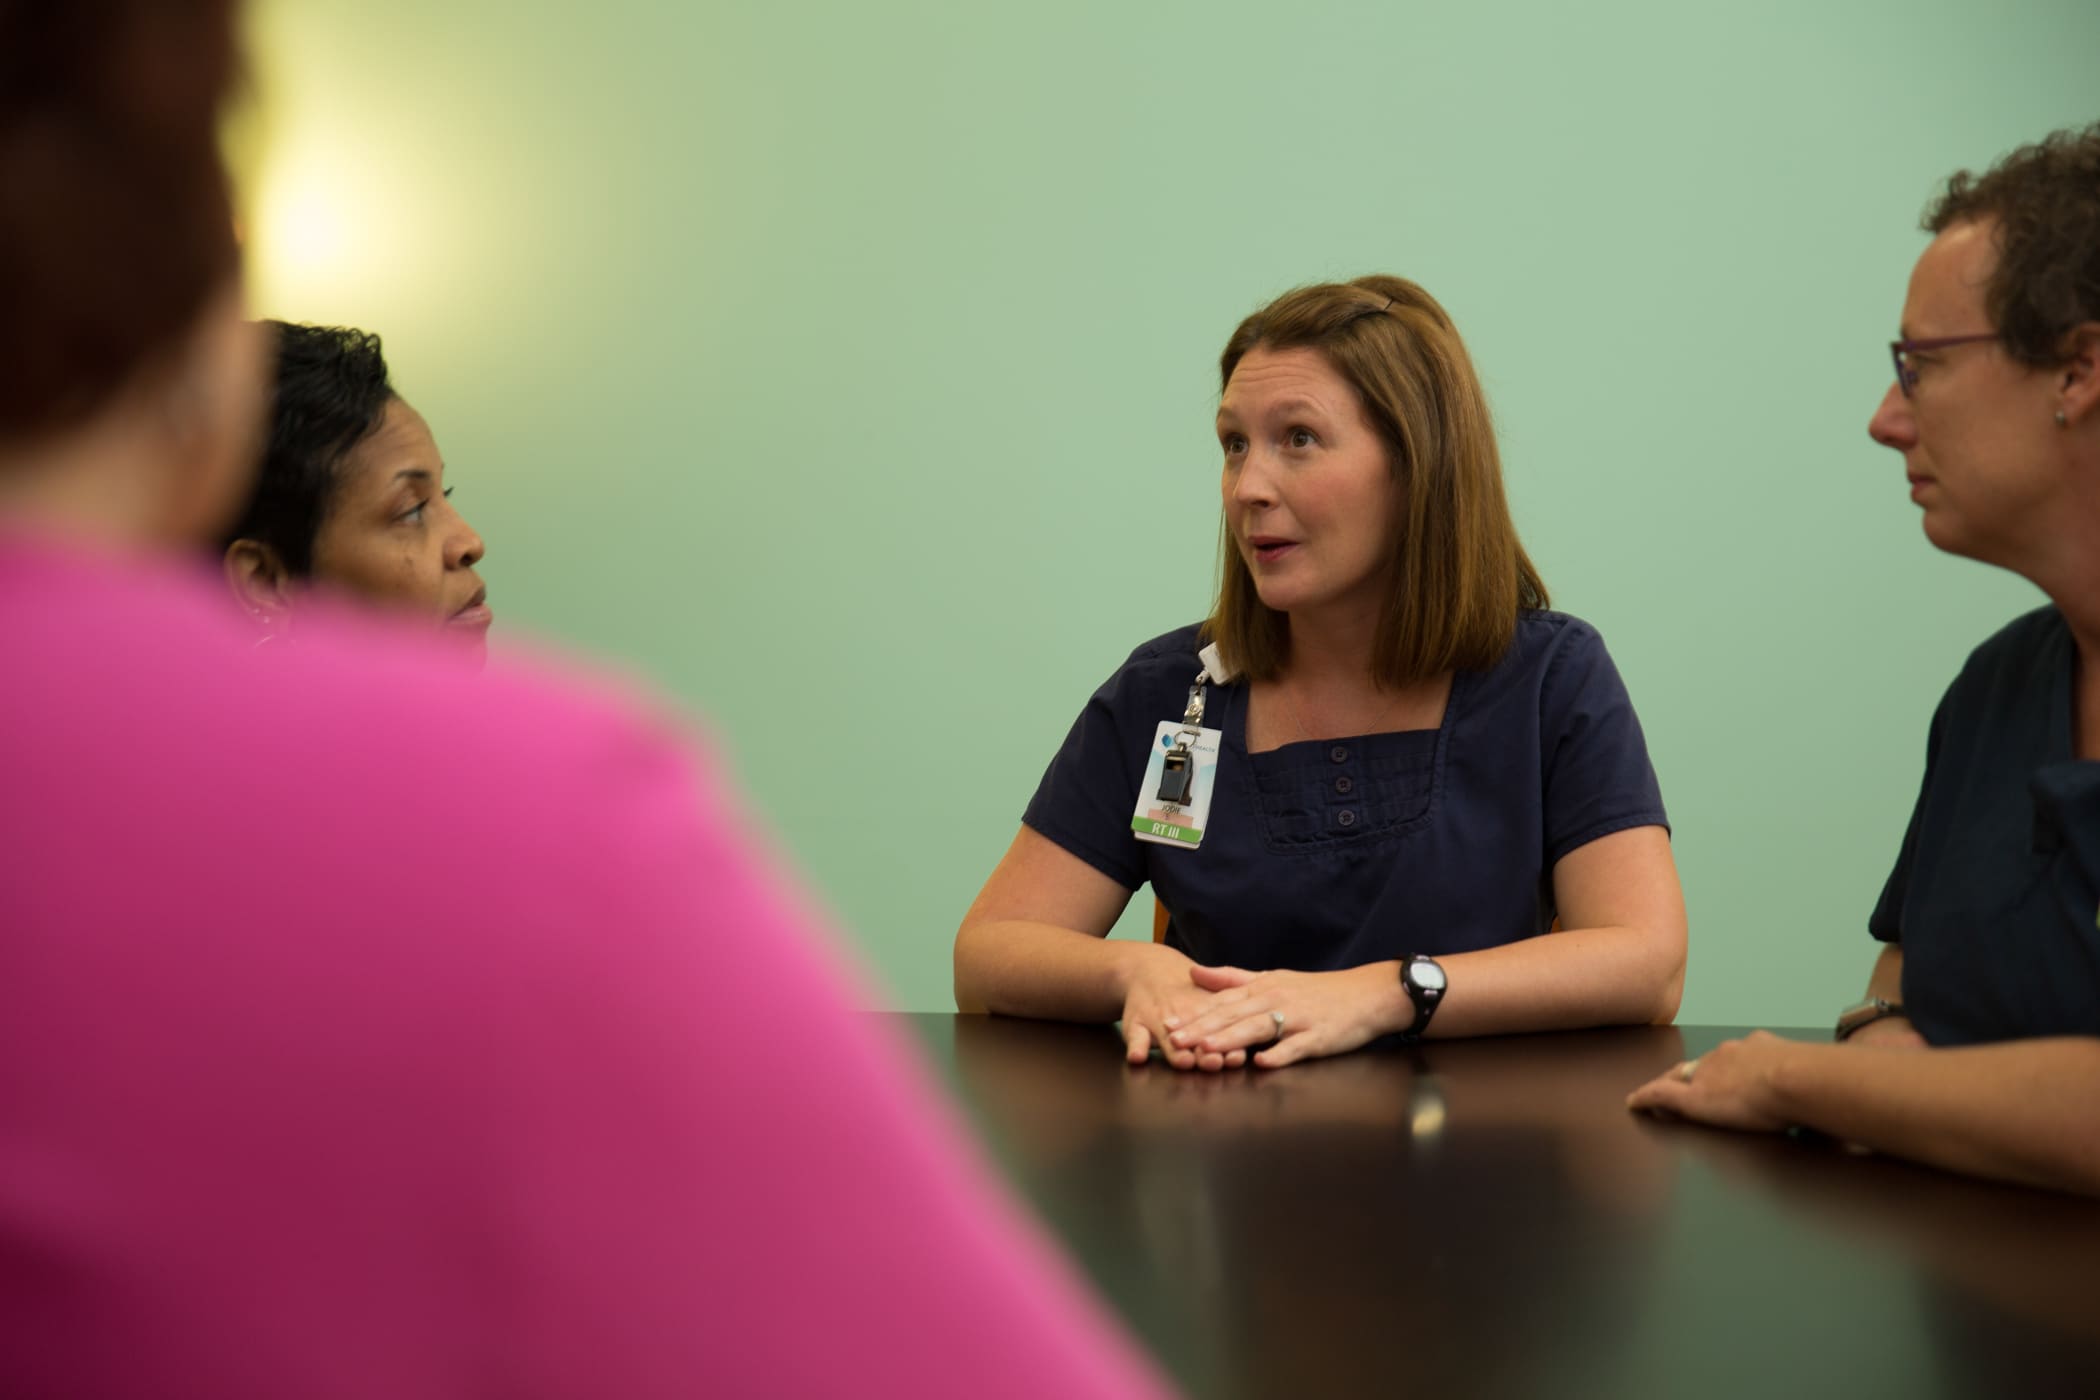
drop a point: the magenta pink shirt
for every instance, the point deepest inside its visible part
(372, 1028)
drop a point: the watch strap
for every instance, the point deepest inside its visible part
(1858, 1016)
(1425, 999)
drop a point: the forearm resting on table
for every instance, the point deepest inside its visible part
(1020, 968)
(2022, 1110)
(1581, 977)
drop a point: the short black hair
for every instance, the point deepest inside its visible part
(331, 391)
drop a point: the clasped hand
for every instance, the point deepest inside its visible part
(1220, 1017)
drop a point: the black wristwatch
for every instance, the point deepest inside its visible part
(1862, 1014)
(1424, 980)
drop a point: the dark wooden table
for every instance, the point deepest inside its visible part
(1484, 1218)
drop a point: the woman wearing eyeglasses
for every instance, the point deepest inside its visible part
(1990, 921)
(1368, 784)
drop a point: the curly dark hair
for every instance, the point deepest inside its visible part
(2045, 199)
(331, 393)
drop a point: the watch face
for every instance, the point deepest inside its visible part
(1426, 975)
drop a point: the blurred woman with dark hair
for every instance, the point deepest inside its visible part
(352, 493)
(362, 1026)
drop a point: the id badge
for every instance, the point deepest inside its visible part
(1183, 761)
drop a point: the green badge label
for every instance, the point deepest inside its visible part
(1167, 831)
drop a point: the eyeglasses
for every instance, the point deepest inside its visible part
(1902, 350)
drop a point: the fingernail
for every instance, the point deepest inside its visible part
(1171, 1022)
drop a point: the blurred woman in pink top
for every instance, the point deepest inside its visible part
(364, 1029)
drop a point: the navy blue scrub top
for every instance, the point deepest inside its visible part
(1996, 894)
(1333, 853)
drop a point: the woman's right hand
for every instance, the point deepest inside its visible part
(1035, 943)
(1159, 997)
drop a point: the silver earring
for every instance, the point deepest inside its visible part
(271, 631)
(2060, 419)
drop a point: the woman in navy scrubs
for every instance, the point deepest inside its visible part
(1398, 768)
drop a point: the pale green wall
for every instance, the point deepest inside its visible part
(848, 368)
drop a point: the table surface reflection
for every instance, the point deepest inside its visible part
(1484, 1218)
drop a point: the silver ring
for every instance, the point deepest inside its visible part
(1686, 1070)
(1279, 1023)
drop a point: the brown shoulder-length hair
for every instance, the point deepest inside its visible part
(1460, 575)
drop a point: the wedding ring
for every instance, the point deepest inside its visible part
(1686, 1070)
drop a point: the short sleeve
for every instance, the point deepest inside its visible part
(1598, 778)
(1089, 790)
(1886, 922)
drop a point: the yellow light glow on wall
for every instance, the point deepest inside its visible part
(305, 225)
(334, 182)
(330, 233)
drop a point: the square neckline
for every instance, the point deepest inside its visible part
(1240, 702)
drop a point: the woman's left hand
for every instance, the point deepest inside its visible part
(1730, 1086)
(1321, 1013)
